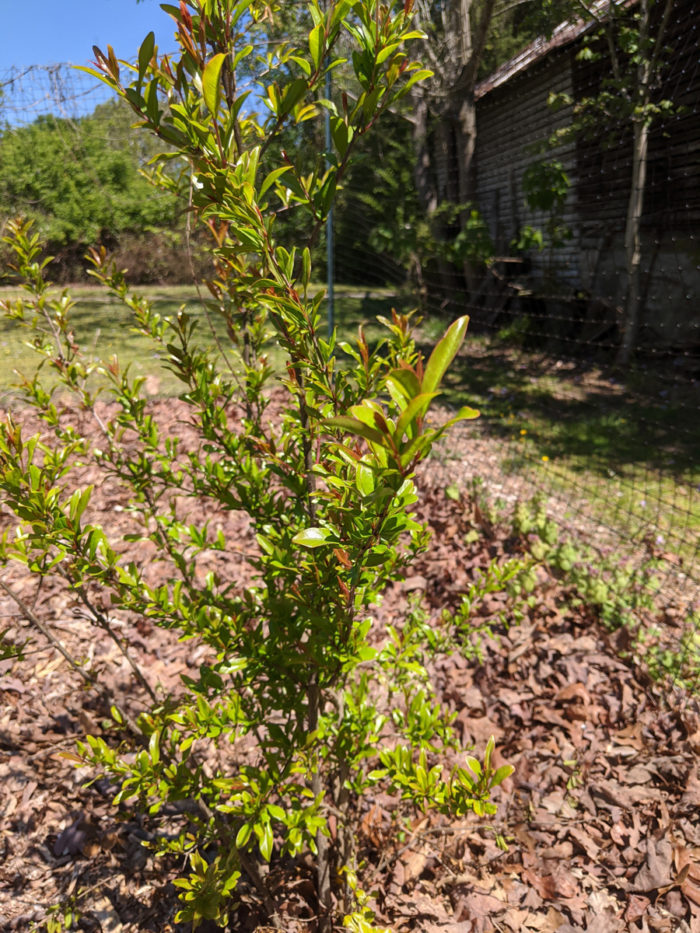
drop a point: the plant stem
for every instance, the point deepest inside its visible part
(103, 621)
(323, 863)
(252, 869)
(31, 617)
(89, 678)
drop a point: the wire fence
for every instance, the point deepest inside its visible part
(614, 450)
(616, 447)
(39, 90)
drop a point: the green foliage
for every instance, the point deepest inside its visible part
(545, 186)
(285, 720)
(514, 577)
(9, 648)
(630, 42)
(617, 592)
(680, 662)
(80, 180)
(622, 595)
(62, 917)
(515, 25)
(454, 233)
(378, 206)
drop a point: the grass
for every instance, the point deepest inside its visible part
(102, 326)
(631, 450)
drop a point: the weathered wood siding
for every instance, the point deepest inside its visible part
(512, 116)
(512, 121)
(671, 215)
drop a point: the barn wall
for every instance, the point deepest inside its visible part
(514, 115)
(671, 217)
(511, 121)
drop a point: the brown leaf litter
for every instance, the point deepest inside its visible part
(600, 818)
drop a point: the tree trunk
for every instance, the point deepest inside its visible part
(445, 150)
(422, 170)
(466, 143)
(633, 243)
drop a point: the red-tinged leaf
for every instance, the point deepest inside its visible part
(185, 15)
(362, 345)
(381, 423)
(70, 756)
(341, 556)
(100, 58)
(443, 354)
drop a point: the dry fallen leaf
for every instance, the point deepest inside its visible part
(479, 909)
(658, 867)
(74, 837)
(636, 908)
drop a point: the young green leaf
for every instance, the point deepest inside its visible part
(211, 78)
(416, 408)
(146, 53)
(355, 426)
(500, 774)
(316, 43)
(312, 537)
(443, 354)
(405, 382)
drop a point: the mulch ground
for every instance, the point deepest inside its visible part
(601, 816)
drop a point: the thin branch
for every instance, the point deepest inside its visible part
(104, 623)
(469, 71)
(608, 24)
(660, 36)
(252, 869)
(89, 678)
(31, 617)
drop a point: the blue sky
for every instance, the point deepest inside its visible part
(45, 32)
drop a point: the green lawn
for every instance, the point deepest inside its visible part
(102, 326)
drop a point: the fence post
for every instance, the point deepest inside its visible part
(330, 244)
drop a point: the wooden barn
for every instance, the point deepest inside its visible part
(514, 119)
